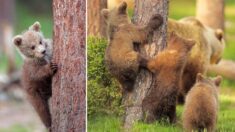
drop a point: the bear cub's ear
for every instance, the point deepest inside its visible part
(36, 26)
(219, 34)
(105, 13)
(200, 77)
(122, 8)
(17, 40)
(217, 81)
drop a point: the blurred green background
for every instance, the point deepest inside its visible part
(26, 13)
(104, 105)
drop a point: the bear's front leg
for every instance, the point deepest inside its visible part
(45, 71)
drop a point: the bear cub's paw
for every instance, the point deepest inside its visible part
(54, 67)
(155, 21)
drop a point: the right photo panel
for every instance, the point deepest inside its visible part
(160, 65)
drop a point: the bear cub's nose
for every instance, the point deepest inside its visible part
(44, 51)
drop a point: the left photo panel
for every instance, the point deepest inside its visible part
(43, 66)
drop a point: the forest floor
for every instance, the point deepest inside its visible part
(226, 120)
(16, 114)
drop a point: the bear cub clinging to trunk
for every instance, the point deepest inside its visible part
(167, 66)
(201, 105)
(122, 60)
(37, 70)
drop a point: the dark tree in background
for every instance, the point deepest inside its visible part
(69, 83)
(211, 13)
(96, 24)
(133, 100)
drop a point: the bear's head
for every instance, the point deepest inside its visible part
(217, 46)
(213, 83)
(31, 43)
(174, 56)
(179, 44)
(116, 16)
(214, 38)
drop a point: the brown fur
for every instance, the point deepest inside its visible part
(201, 105)
(207, 50)
(121, 58)
(37, 70)
(160, 103)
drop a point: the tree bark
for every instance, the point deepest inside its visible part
(133, 100)
(96, 24)
(211, 13)
(69, 84)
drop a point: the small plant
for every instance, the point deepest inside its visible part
(104, 94)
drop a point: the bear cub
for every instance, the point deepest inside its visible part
(201, 105)
(121, 59)
(37, 69)
(167, 66)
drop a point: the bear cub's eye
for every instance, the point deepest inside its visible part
(40, 42)
(33, 47)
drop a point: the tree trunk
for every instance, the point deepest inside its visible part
(69, 84)
(211, 13)
(7, 8)
(96, 24)
(133, 100)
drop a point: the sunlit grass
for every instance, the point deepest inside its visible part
(226, 119)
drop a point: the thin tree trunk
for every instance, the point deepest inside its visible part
(6, 32)
(133, 100)
(69, 84)
(211, 13)
(96, 24)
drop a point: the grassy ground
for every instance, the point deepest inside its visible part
(226, 121)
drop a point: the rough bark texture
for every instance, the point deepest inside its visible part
(211, 13)
(96, 25)
(69, 84)
(224, 68)
(133, 100)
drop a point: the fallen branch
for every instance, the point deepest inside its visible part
(226, 68)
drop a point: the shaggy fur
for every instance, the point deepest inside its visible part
(207, 50)
(167, 66)
(201, 106)
(122, 60)
(37, 70)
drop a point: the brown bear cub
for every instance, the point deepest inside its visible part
(37, 70)
(167, 66)
(201, 105)
(121, 59)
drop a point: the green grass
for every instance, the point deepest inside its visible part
(226, 120)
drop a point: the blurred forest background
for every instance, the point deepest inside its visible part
(16, 114)
(104, 95)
